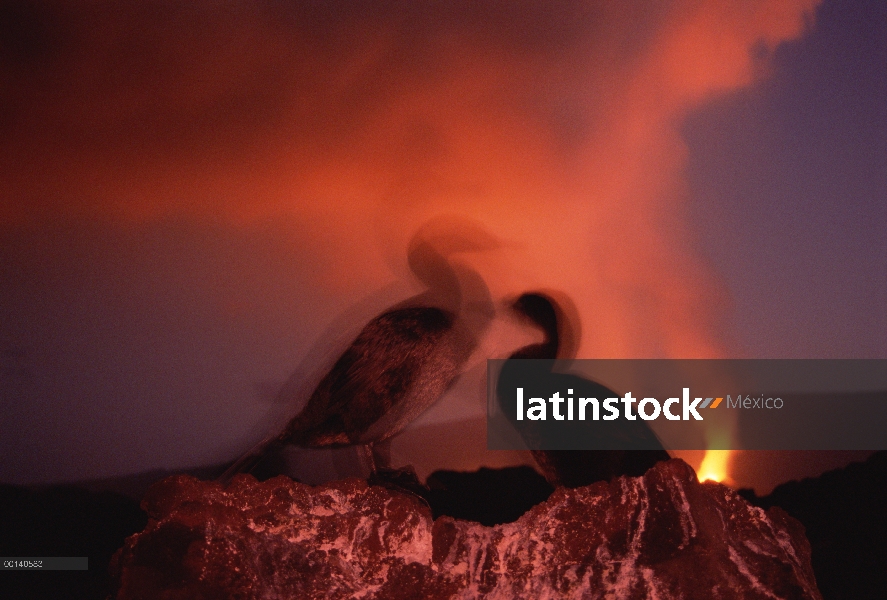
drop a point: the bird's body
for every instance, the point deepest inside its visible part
(550, 440)
(400, 363)
(397, 367)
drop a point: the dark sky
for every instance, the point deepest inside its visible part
(198, 200)
(789, 186)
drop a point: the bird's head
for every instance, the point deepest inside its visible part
(557, 318)
(430, 254)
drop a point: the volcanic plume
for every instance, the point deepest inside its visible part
(351, 124)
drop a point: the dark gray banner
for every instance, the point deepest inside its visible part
(755, 404)
(45, 563)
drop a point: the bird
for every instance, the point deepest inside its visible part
(402, 361)
(567, 467)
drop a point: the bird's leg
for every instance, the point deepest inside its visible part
(378, 454)
(369, 459)
(381, 454)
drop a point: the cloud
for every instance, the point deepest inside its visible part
(553, 123)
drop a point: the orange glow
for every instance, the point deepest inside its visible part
(556, 129)
(715, 466)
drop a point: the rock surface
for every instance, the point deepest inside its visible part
(662, 536)
(844, 514)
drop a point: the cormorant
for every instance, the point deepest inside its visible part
(402, 361)
(570, 468)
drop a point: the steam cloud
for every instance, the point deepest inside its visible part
(554, 124)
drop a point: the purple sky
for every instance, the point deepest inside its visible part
(789, 185)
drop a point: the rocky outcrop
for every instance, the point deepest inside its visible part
(663, 535)
(845, 514)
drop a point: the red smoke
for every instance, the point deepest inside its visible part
(554, 124)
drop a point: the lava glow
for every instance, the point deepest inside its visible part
(714, 466)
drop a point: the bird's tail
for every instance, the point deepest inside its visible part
(253, 457)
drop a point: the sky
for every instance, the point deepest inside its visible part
(202, 201)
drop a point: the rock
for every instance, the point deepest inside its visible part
(843, 512)
(663, 535)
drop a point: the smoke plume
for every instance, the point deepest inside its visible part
(554, 124)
